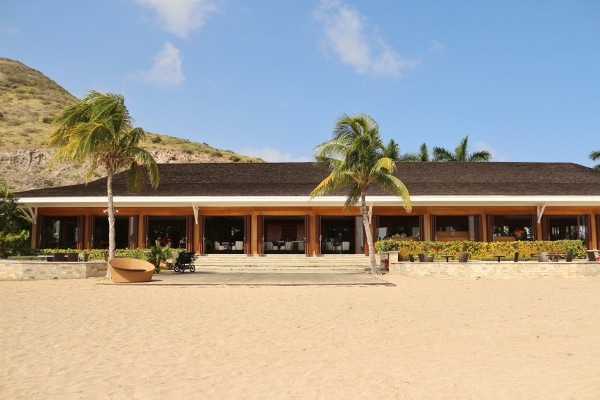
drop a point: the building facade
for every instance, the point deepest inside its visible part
(262, 208)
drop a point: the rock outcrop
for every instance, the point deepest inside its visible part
(26, 169)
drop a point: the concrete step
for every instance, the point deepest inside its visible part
(274, 262)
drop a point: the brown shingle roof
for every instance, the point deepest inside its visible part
(299, 179)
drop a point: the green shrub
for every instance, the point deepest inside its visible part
(483, 250)
(100, 254)
(387, 245)
(12, 244)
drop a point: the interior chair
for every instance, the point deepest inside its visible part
(337, 247)
(301, 246)
(219, 247)
(345, 247)
(329, 247)
(239, 246)
(288, 247)
(269, 247)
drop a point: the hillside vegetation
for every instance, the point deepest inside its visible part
(28, 102)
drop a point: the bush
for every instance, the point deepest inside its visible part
(387, 245)
(12, 244)
(24, 258)
(483, 250)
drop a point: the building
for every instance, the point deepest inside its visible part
(260, 208)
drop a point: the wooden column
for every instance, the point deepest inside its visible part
(427, 227)
(312, 240)
(255, 241)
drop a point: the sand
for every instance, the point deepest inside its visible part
(420, 339)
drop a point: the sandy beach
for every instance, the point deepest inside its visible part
(419, 339)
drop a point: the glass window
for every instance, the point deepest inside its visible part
(122, 233)
(59, 232)
(567, 227)
(512, 227)
(455, 227)
(399, 226)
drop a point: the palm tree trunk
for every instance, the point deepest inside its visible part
(111, 220)
(368, 234)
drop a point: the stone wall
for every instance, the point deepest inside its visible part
(37, 270)
(494, 270)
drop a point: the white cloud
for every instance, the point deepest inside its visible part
(344, 30)
(272, 155)
(166, 70)
(181, 17)
(496, 155)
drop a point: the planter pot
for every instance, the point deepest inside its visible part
(59, 257)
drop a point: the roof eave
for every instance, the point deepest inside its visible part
(287, 201)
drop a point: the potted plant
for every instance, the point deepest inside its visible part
(159, 256)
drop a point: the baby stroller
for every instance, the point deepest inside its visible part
(185, 260)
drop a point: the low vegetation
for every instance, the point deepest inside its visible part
(482, 250)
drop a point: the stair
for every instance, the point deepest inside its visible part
(283, 262)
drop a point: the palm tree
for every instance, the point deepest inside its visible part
(12, 218)
(595, 156)
(460, 153)
(357, 159)
(392, 150)
(14, 224)
(422, 155)
(99, 129)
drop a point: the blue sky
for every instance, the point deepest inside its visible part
(269, 78)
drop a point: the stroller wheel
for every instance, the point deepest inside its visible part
(192, 268)
(176, 268)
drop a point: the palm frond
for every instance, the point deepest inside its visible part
(394, 185)
(595, 155)
(441, 154)
(479, 156)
